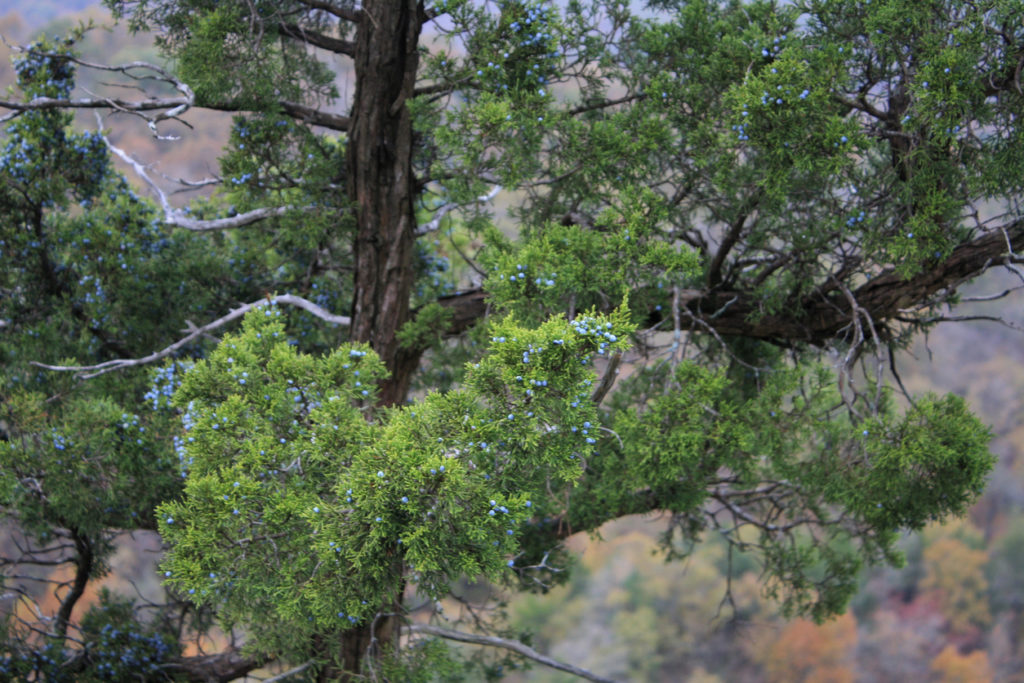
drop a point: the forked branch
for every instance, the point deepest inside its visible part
(177, 217)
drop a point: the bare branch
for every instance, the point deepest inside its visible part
(156, 109)
(507, 644)
(179, 219)
(172, 107)
(611, 372)
(289, 673)
(42, 103)
(445, 209)
(90, 371)
(84, 565)
(228, 665)
(963, 318)
(316, 117)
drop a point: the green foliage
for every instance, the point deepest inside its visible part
(424, 330)
(790, 455)
(932, 462)
(290, 466)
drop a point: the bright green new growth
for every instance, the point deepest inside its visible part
(305, 508)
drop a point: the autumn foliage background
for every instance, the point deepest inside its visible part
(955, 612)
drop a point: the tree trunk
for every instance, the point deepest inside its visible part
(382, 190)
(362, 643)
(381, 183)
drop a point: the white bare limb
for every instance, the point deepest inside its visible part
(153, 109)
(435, 223)
(507, 644)
(89, 371)
(178, 218)
(147, 105)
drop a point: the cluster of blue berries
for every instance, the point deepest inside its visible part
(587, 326)
(434, 266)
(96, 294)
(42, 73)
(164, 381)
(60, 442)
(772, 51)
(123, 654)
(113, 655)
(530, 53)
(854, 219)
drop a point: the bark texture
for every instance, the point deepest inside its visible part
(382, 184)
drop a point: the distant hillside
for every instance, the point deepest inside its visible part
(38, 13)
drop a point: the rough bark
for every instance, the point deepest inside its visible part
(382, 184)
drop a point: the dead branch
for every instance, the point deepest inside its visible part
(89, 371)
(177, 217)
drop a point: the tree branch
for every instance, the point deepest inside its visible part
(507, 644)
(84, 562)
(316, 39)
(714, 277)
(172, 107)
(177, 217)
(604, 104)
(289, 673)
(445, 209)
(822, 315)
(222, 667)
(315, 117)
(90, 371)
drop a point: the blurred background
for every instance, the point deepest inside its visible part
(954, 612)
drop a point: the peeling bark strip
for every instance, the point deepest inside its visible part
(382, 185)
